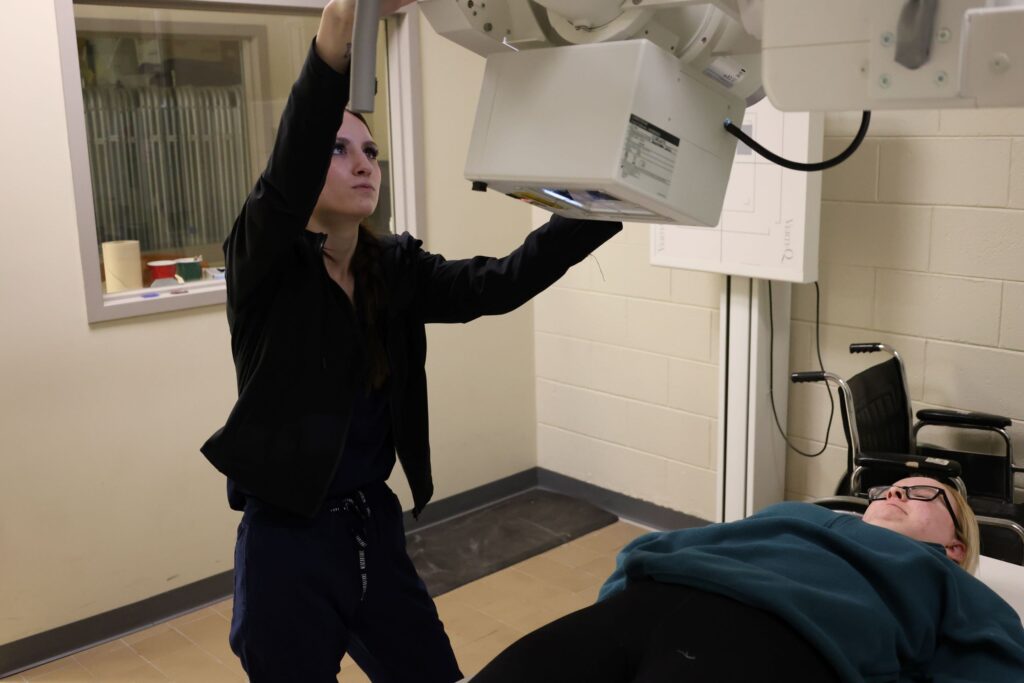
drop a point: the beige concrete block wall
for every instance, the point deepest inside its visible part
(627, 376)
(105, 499)
(922, 247)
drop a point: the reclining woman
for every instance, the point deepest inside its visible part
(794, 593)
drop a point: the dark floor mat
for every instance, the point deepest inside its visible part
(465, 548)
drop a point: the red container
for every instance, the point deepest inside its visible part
(162, 269)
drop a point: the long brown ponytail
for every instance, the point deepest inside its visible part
(370, 296)
(371, 300)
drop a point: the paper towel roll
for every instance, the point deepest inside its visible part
(122, 263)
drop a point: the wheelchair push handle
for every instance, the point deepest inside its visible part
(810, 376)
(869, 347)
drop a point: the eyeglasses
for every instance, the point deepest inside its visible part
(916, 492)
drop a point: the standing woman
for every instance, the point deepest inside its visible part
(327, 334)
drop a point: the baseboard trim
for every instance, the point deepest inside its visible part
(648, 514)
(66, 640)
(467, 501)
(63, 641)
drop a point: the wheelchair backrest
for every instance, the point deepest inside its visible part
(881, 405)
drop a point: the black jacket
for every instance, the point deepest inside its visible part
(295, 348)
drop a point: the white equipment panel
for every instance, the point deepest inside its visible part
(834, 55)
(770, 222)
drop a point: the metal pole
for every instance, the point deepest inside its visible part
(364, 56)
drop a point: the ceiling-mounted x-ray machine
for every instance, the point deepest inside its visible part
(612, 109)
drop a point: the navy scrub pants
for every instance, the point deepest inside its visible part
(309, 591)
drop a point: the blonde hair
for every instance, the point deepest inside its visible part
(968, 534)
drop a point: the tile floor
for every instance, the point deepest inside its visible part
(482, 618)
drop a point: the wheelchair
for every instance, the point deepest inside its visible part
(883, 446)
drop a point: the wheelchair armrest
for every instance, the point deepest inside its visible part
(1002, 539)
(912, 463)
(962, 418)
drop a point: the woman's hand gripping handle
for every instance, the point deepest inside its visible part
(334, 37)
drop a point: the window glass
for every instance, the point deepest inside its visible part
(181, 109)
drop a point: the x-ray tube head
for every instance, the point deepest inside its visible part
(610, 130)
(620, 116)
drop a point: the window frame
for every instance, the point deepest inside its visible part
(405, 102)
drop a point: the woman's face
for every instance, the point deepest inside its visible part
(353, 179)
(923, 520)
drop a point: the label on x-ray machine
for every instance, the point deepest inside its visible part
(650, 156)
(725, 71)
